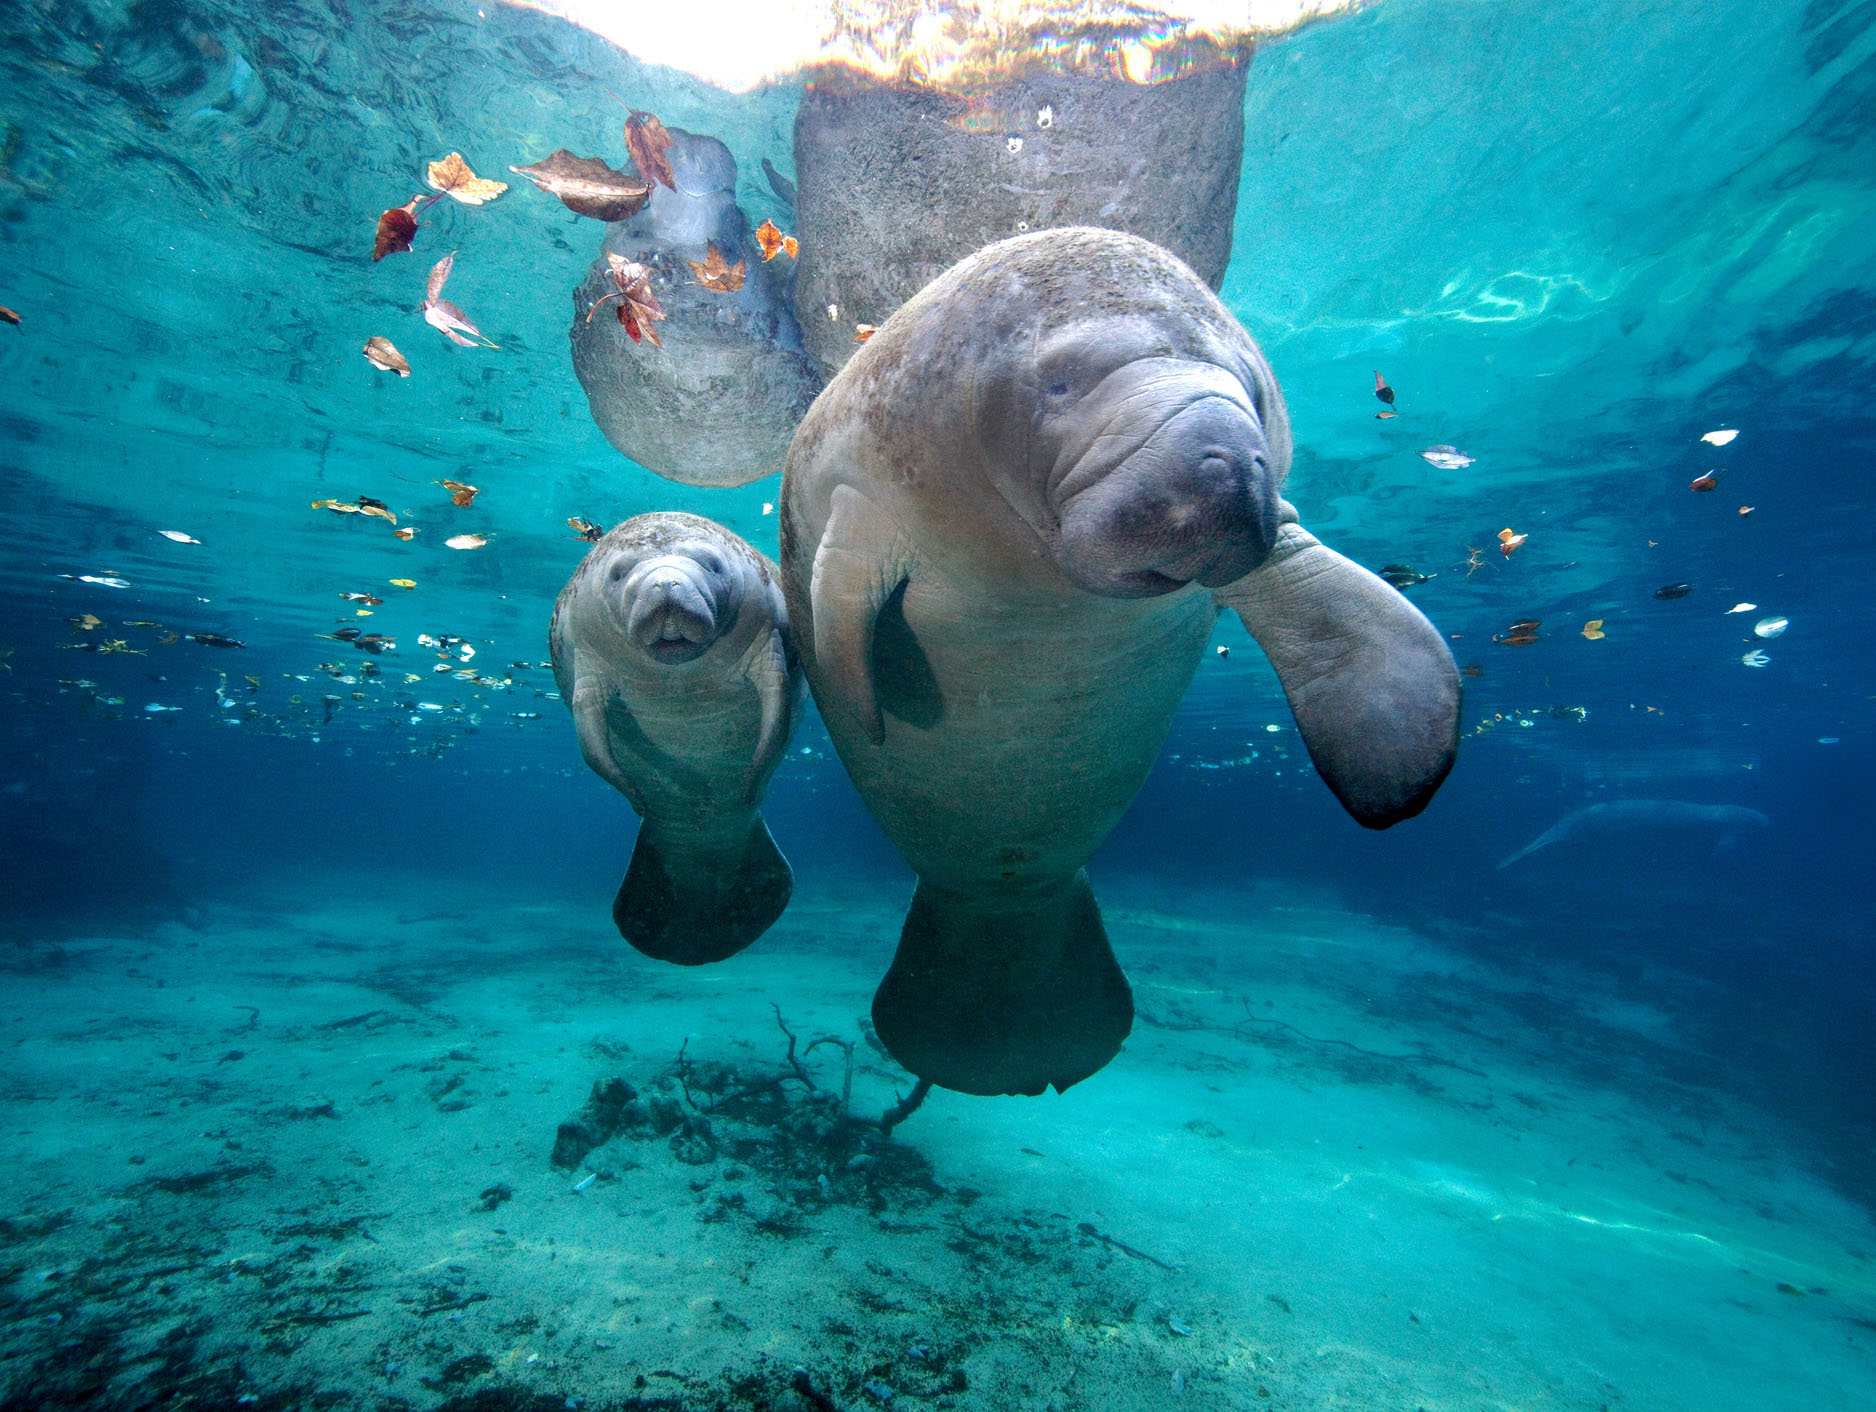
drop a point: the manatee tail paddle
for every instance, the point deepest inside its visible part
(694, 900)
(1001, 995)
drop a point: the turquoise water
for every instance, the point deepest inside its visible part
(1396, 1127)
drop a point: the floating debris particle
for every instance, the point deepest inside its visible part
(1447, 458)
(1756, 658)
(466, 541)
(1719, 438)
(1770, 627)
(1674, 590)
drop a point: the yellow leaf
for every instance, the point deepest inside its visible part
(403, 583)
(453, 177)
(1593, 630)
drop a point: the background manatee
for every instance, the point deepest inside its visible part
(716, 405)
(898, 182)
(671, 648)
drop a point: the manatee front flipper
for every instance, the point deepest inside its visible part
(1371, 683)
(590, 704)
(862, 559)
(766, 666)
(693, 898)
(996, 996)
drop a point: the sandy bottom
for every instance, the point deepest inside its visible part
(301, 1158)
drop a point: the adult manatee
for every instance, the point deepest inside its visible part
(1008, 526)
(671, 648)
(1717, 827)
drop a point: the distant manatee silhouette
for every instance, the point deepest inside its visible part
(1724, 824)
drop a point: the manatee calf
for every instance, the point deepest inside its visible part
(718, 402)
(1008, 527)
(671, 648)
(1718, 827)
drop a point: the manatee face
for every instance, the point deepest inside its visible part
(1148, 464)
(675, 603)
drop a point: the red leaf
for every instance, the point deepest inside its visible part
(395, 229)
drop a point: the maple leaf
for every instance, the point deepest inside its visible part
(715, 273)
(395, 229)
(452, 177)
(586, 186)
(444, 316)
(647, 141)
(638, 306)
(460, 495)
(774, 243)
(384, 355)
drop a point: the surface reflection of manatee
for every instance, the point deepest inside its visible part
(1008, 526)
(670, 646)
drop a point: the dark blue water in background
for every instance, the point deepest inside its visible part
(1573, 242)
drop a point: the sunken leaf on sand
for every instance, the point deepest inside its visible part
(452, 177)
(587, 186)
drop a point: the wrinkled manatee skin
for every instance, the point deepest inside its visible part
(897, 183)
(717, 404)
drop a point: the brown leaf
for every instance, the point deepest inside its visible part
(587, 186)
(337, 506)
(647, 141)
(774, 243)
(453, 177)
(638, 306)
(862, 332)
(8, 316)
(585, 528)
(395, 229)
(383, 512)
(1508, 541)
(444, 316)
(460, 495)
(384, 355)
(715, 273)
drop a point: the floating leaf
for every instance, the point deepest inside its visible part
(338, 506)
(460, 495)
(716, 273)
(369, 506)
(396, 227)
(1447, 458)
(1745, 509)
(862, 332)
(1705, 482)
(384, 356)
(1739, 608)
(585, 528)
(444, 316)
(403, 583)
(1593, 630)
(638, 306)
(1719, 438)
(1674, 590)
(8, 315)
(361, 598)
(1770, 627)
(452, 177)
(1404, 576)
(466, 541)
(774, 243)
(179, 537)
(86, 622)
(647, 140)
(1385, 416)
(1382, 390)
(1756, 658)
(405, 532)
(214, 639)
(1508, 541)
(1520, 634)
(1472, 671)
(586, 186)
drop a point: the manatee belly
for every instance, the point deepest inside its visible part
(1017, 732)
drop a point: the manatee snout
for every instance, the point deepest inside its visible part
(1194, 502)
(671, 607)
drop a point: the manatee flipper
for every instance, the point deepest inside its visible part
(589, 705)
(861, 561)
(694, 900)
(1370, 681)
(766, 666)
(994, 996)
